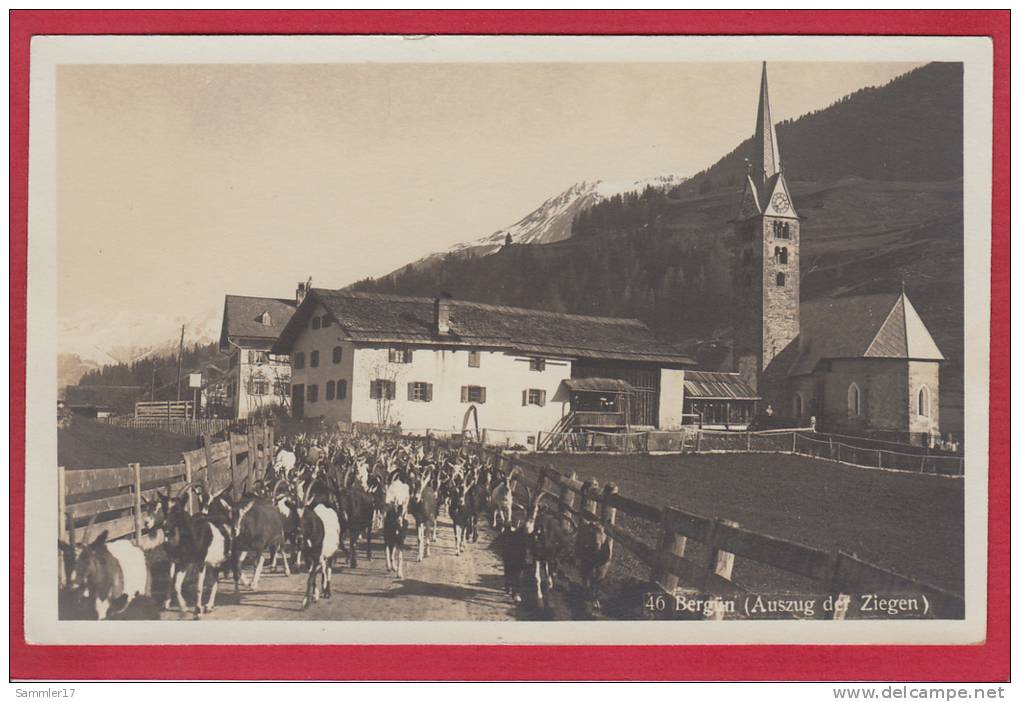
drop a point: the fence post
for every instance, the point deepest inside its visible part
(136, 470)
(879, 453)
(670, 542)
(607, 513)
(840, 601)
(233, 461)
(697, 447)
(589, 504)
(719, 562)
(188, 473)
(749, 442)
(794, 443)
(61, 505)
(566, 501)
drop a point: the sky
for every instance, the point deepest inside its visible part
(182, 183)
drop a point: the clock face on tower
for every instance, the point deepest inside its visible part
(780, 203)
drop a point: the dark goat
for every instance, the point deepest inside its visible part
(357, 507)
(198, 543)
(258, 527)
(319, 536)
(394, 530)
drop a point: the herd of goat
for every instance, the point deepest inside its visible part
(322, 496)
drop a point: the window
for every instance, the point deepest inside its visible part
(313, 359)
(537, 364)
(798, 405)
(312, 393)
(255, 357)
(474, 359)
(330, 389)
(265, 319)
(299, 360)
(533, 397)
(853, 400)
(281, 388)
(341, 389)
(338, 354)
(923, 405)
(316, 322)
(258, 386)
(401, 355)
(472, 393)
(780, 280)
(382, 390)
(326, 321)
(419, 392)
(781, 230)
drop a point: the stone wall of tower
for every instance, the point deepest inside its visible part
(746, 315)
(766, 319)
(781, 303)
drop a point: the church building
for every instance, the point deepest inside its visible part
(857, 364)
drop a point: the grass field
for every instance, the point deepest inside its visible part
(910, 523)
(90, 444)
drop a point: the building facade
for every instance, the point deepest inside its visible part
(256, 378)
(863, 364)
(449, 365)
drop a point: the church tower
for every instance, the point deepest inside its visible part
(766, 277)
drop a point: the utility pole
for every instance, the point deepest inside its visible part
(180, 364)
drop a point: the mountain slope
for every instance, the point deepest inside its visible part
(875, 177)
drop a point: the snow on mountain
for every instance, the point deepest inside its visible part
(552, 220)
(101, 338)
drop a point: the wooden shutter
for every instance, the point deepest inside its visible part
(391, 389)
(428, 392)
(481, 396)
(463, 393)
(541, 398)
(524, 398)
(373, 390)
(393, 355)
(410, 391)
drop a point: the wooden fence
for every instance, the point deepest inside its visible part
(185, 427)
(114, 495)
(708, 568)
(168, 409)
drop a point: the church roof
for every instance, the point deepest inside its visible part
(766, 147)
(863, 326)
(375, 318)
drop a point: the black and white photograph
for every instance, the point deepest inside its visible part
(672, 337)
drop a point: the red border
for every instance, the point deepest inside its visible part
(987, 662)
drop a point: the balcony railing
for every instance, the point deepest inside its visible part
(599, 419)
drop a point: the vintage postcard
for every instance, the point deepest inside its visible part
(561, 340)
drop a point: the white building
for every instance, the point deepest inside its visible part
(256, 377)
(446, 365)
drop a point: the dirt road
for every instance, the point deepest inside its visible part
(443, 586)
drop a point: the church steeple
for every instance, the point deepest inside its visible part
(765, 158)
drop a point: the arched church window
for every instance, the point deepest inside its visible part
(798, 405)
(923, 402)
(783, 255)
(780, 279)
(853, 400)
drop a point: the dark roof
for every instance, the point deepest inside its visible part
(598, 385)
(708, 385)
(383, 319)
(241, 318)
(884, 325)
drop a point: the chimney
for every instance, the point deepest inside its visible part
(299, 296)
(442, 314)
